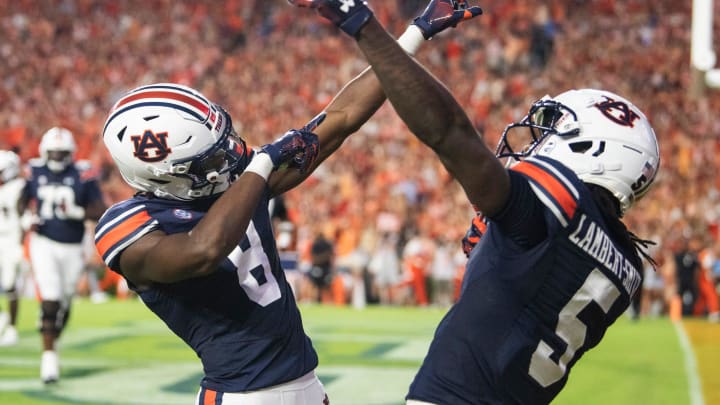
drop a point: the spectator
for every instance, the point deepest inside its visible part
(321, 271)
(687, 267)
(442, 271)
(707, 302)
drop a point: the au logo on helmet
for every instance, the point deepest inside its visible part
(618, 112)
(151, 142)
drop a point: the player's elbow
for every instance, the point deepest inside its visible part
(207, 259)
(448, 141)
(207, 256)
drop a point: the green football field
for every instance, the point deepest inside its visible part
(119, 353)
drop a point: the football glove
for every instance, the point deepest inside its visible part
(440, 14)
(473, 235)
(349, 15)
(298, 148)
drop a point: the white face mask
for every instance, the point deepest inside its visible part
(58, 160)
(56, 166)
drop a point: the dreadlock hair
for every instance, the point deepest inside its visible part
(610, 210)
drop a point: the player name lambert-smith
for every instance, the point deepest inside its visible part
(591, 238)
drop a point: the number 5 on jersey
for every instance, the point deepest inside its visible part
(598, 288)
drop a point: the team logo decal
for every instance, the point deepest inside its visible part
(182, 214)
(648, 173)
(151, 147)
(618, 112)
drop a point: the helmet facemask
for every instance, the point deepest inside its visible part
(211, 171)
(58, 160)
(545, 118)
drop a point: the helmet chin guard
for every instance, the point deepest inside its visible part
(169, 140)
(602, 137)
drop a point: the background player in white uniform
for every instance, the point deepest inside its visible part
(63, 194)
(11, 260)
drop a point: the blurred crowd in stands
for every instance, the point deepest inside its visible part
(383, 206)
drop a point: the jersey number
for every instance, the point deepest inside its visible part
(597, 288)
(58, 202)
(254, 272)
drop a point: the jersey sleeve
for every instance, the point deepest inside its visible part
(523, 218)
(120, 227)
(91, 191)
(553, 184)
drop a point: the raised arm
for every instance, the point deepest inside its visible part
(424, 103)
(347, 112)
(360, 98)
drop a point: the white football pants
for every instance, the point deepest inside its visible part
(10, 262)
(306, 390)
(56, 267)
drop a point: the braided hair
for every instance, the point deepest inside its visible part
(610, 210)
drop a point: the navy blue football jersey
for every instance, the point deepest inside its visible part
(61, 199)
(242, 321)
(526, 314)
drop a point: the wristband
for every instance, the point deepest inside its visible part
(261, 165)
(411, 39)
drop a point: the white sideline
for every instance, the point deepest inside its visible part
(694, 386)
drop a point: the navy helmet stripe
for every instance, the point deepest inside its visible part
(170, 87)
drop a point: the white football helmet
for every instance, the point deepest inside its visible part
(169, 140)
(57, 148)
(9, 165)
(602, 137)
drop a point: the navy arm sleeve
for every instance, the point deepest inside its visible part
(522, 219)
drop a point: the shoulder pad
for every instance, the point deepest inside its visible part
(120, 226)
(36, 162)
(86, 169)
(553, 184)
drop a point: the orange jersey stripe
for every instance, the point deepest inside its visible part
(551, 185)
(120, 231)
(210, 397)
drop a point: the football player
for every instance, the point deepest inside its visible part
(196, 242)
(556, 266)
(11, 258)
(62, 194)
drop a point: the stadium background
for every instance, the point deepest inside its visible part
(272, 67)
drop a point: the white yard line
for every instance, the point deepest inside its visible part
(694, 386)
